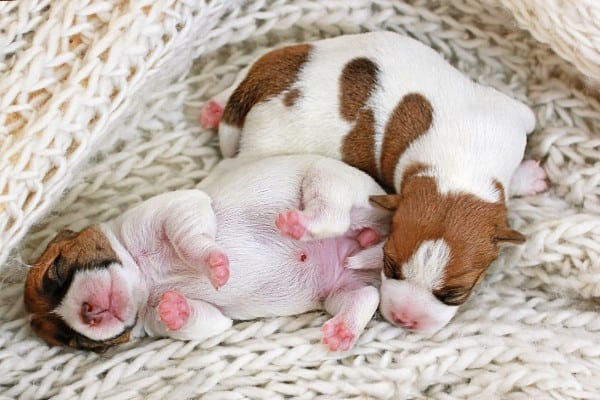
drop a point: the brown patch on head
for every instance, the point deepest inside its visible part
(357, 83)
(50, 278)
(269, 76)
(410, 119)
(471, 227)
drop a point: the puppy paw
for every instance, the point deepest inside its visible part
(337, 335)
(529, 179)
(218, 265)
(367, 237)
(210, 115)
(291, 224)
(173, 310)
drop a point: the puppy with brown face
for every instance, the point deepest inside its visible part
(87, 259)
(448, 148)
(271, 237)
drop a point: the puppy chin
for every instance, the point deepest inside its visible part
(412, 307)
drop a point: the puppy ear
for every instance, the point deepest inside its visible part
(385, 201)
(506, 235)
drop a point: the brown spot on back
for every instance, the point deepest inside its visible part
(50, 278)
(358, 145)
(410, 119)
(270, 75)
(357, 83)
(466, 223)
(358, 80)
(290, 97)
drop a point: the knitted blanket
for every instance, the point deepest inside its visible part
(98, 108)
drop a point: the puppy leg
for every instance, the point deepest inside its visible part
(368, 258)
(212, 110)
(335, 200)
(529, 179)
(185, 319)
(192, 235)
(352, 310)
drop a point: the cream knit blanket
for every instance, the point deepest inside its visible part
(100, 97)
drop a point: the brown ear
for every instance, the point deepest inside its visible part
(506, 235)
(385, 201)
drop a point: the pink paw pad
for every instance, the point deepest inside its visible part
(173, 310)
(291, 224)
(530, 179)
(337, 335)
(368, 237)
(218, 264)
(210, 115)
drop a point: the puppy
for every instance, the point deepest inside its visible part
(184, 264)
(448, 148)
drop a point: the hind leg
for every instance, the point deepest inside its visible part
(352, 310)
(336, 200)
(529, 179)
(211, 116)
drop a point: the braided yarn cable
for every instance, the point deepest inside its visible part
(529, 332)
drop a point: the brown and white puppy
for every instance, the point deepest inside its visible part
(449, 148)
(154, 270)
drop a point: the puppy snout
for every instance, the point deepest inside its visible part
(90, 314)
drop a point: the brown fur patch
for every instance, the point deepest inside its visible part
(358, 146)
(469, 226)
(410, 119)
(290, 97)
(49, 279)
(357, 82)
(270, 75)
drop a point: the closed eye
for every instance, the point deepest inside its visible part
(452, 296)
(390, 268)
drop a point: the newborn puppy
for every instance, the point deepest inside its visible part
(450, 149)
(177, 265)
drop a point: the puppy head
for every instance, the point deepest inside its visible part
(80, 294)
(439, 248)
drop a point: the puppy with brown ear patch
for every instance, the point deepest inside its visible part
(449, 148)
(184, 264)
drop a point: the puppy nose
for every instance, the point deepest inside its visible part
(90, 315)
(404, 321)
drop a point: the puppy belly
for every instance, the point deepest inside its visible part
(288, 277)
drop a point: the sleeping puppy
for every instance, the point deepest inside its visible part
(184, 264)
(448, 148)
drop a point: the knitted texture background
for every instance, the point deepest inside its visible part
(102, 97)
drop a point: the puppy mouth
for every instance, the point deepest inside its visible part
(112, 307)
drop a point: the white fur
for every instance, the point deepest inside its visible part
(266, 276)
(427, 265)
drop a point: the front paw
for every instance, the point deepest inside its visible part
(173, 310)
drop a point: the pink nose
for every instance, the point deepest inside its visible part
(90, 314)
(405, 320)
